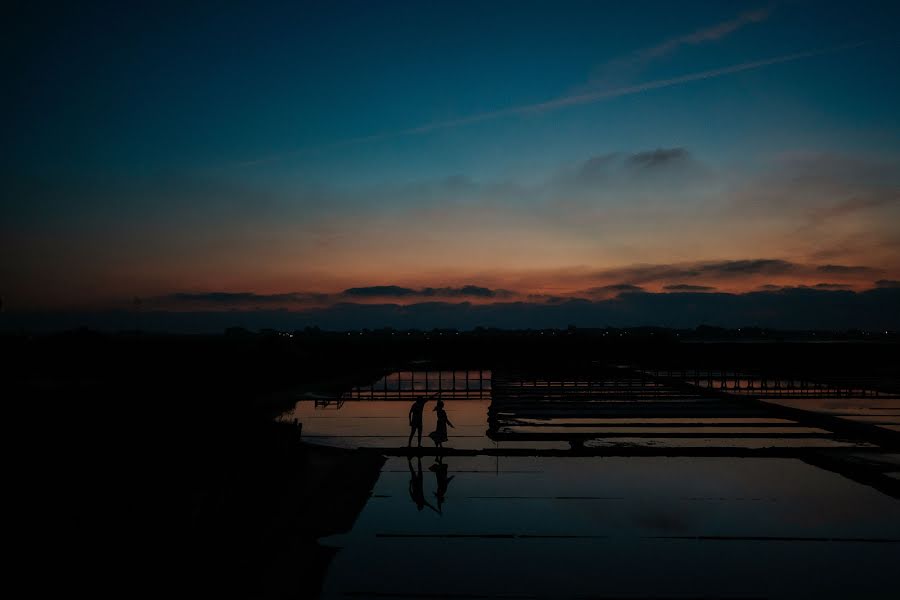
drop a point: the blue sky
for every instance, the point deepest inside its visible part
(280, 147)
(173, 88)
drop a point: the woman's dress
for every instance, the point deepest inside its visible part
(440, 432)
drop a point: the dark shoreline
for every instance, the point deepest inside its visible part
(264, 539)
(165, 454)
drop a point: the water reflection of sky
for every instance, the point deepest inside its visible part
(384, 424)
(607, 409)
(622, 527)
(884, 412)
(519, 527)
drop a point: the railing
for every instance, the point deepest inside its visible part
(411, 384)
(749, 384)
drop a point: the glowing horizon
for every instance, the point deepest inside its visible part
(538, 154)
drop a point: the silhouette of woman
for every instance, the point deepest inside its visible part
(439, 435)
(440, 476)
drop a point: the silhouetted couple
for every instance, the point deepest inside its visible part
(417, 488)
(439, 435)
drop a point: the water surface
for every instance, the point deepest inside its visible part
(617, 527)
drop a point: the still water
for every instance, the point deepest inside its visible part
(881, 412)
(384, 424)
(513, 527)
(661, 526)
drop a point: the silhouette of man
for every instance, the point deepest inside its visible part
(416, 485)
(415, 419)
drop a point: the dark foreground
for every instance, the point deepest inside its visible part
(159, 462)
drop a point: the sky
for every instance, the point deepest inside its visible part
(485, 158)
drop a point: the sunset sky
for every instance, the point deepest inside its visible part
(305, 155)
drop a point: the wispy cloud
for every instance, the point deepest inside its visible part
(395, 291)
(599, 95)
(658, 157)
(847, 270)
(578, 99)
(612, 290)
(718, 270)
(299, 300)
(831, 286)
(634, 62)
(731, 275)
(876, 199)
(708, 34)
(686, 287)
(794, 308)
(631, 64)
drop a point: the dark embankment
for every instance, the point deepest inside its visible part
(156, 464)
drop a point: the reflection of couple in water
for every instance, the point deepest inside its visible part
(439, 435)
(416, 483)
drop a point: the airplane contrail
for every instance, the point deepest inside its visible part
(596, 96)
(583, 98)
